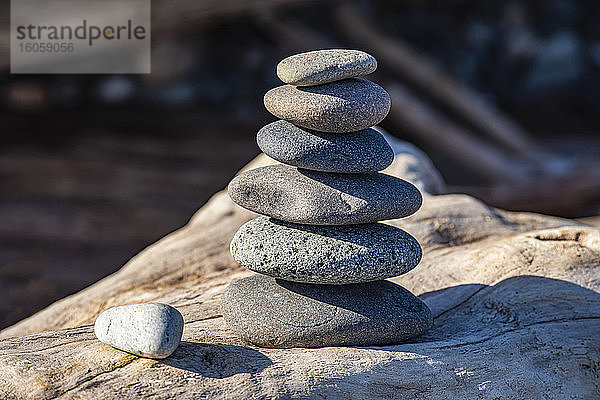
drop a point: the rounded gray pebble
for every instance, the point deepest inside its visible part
(356, 152)
(150, 330)
(275, 313)
(324, 66)
(335, 255)
(319, 198)
(342, 106)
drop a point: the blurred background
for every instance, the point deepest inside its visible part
(504, 96)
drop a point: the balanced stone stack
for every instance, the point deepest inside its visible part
(320, 251)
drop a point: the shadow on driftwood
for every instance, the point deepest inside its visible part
(217, 360)
(480, 312)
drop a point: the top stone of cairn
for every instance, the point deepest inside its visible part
(325, 66)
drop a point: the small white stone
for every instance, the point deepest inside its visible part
(151, 330)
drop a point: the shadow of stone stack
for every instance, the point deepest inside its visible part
(320, 251)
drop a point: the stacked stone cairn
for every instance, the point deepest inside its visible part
(320, 251)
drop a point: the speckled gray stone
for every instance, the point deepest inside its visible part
(146, 329)
(325, 254)
(355, 152)
(343, 106)
(276, 313)
(320, 198)
(324, 66)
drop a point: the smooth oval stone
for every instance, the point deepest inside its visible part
(146, 329)
(325, 254)
(356, 152)
(342, 106)
(276, 313)
(320, 198)
(324, 66)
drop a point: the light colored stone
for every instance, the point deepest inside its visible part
(145, 329)
(343, 106)
(356, 152)
(319, 198)
(324, 66)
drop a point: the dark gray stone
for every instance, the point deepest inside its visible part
(325, 254)
(276, 313)
(324, 66)
(146, 329)
(355, 152)
(320, 198)
(342, 106)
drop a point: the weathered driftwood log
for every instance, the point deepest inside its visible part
(515, 297)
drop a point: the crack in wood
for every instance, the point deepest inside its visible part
(514, 330)
(89, 379)
(204, 319)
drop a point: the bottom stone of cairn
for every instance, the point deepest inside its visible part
(269, 312)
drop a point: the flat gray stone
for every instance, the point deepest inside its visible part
(276, 313)
(343, 106)
(319, 198)
(146, 329)
(355, 152)
(325, 254)
(324, 66)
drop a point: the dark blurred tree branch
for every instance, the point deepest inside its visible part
(408, 65)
